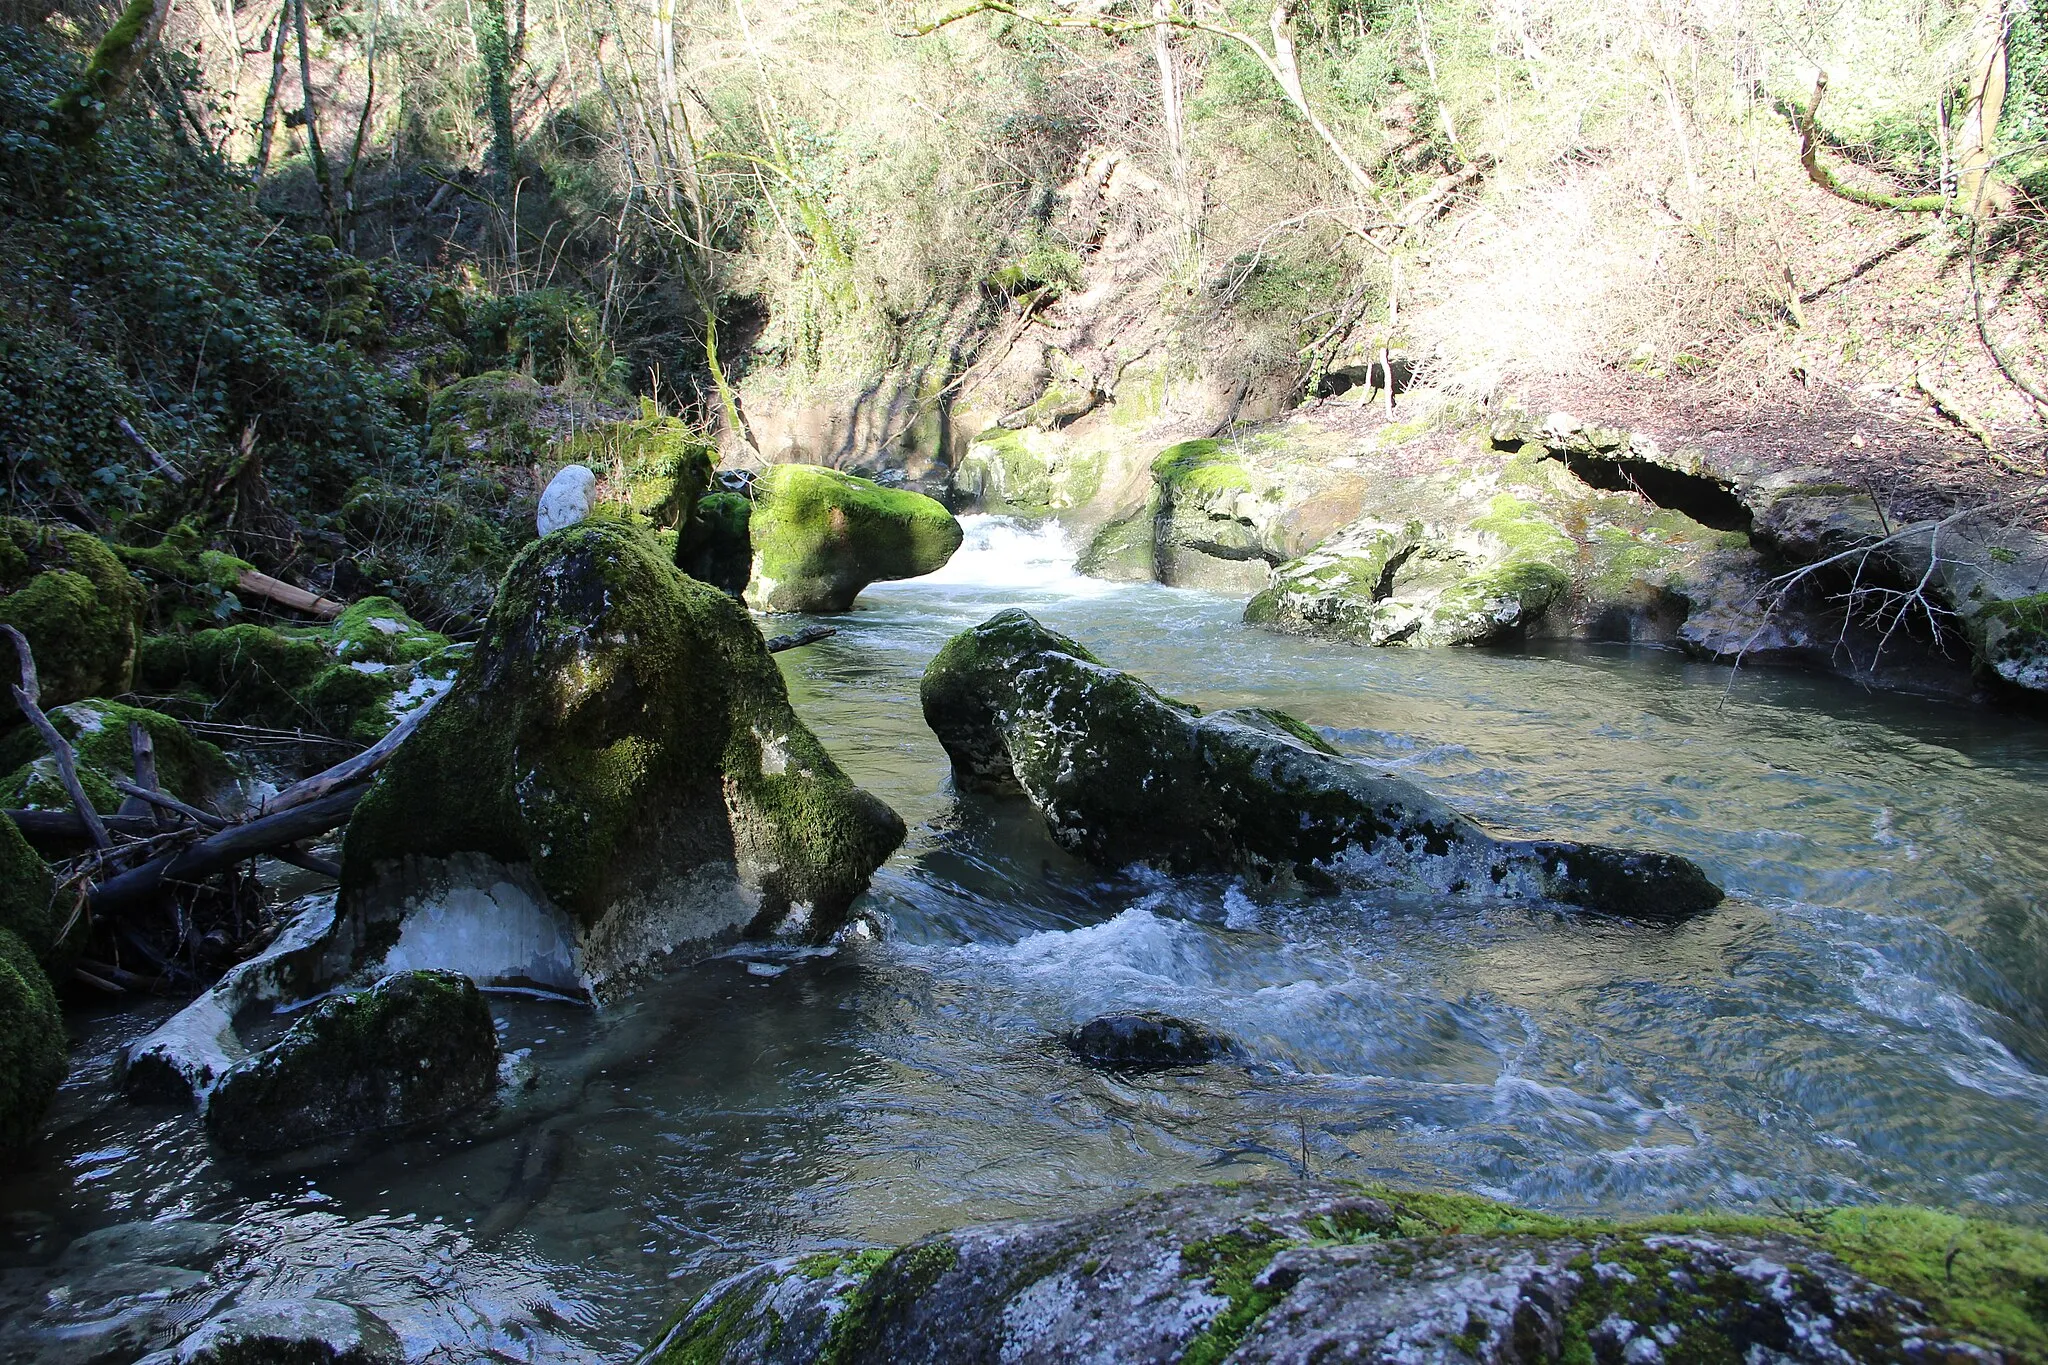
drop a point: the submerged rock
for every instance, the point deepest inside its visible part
(76, 604)
(820, 536)
(413, 1050)
(1318, 1271)
(288, 1332)
(1123, 775)
(616, 772)
(32, 1049)
(1145, 1041)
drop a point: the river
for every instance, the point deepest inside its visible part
(1865, 1018)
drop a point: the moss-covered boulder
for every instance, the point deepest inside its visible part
(716, 545)
(68, 594)
(621, 749)
(31, 1042)
(652, 468)
(190, 769)
(25, 890)
(488, 417)
(187, 585)
(1298, 1271)
(1123, 775)
(352, 680)
(820, 536)
(1376, 583)
(412, 1051)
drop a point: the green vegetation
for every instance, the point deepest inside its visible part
(820, 536)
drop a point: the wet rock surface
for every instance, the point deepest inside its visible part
(112, 1295)
(287, 1332)
(1123, 775)
(413, 1050)
(1314, 1271)
(1145, 1041)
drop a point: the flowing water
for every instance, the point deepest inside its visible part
(1865, 1018)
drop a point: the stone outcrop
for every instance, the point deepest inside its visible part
(615, 773)
(1316, 1271)
(413, 1050)
(1123, 775)
(819, 536)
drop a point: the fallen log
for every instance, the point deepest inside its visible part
(287, 595)
(55, 830)
(352, 769)
(809, 635)
(218, 852)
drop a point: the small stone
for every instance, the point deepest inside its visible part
(567, 498)
(1146, 1040)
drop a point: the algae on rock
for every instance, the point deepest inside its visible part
(620, 746)
(1123, 775)
(820, 536)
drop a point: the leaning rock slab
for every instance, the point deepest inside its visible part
(820, 536)
(619, 758)
(1317, 1271)
(1123, 775)
(412, 1051)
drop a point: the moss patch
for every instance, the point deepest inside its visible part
(820, 536)
(70, 596)
(488, 416)
(657, 467)
(25, 888)
(32, 1057)
(1203, 469)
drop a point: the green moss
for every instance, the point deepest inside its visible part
(377, 630)
(486, 417)
(896, 1284)
(1003, 474)
(25, 889)
(708, 1334)
(716, 546)
(68, 594)
(188, 768)
(78, 115)
(820, 536)
(1202, 469)
(1231, 1263)
(1125, 550)
(187, 584)
(662, 465)
(32, 1059)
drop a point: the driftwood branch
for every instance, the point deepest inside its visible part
(218, 852)
(287, 595)
(52, 831)
(809, 635)
(27, 694)
(353, 769)
(163, 801)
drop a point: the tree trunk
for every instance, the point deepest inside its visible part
(494, 45)
(1169, 96)
(77, 115)
(321, 174)
(1981, 110)
(269, 121)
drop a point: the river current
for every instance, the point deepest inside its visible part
(1865, 1018)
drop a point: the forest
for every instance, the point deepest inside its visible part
(1183, 680)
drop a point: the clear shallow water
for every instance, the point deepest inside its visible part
(1866, 1018)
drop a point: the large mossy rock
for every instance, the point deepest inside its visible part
(67, 593)
(300, 1331)
(1123, 775)
(716, 545)
(621, 749)
(25, 891)
(188, 768)
(1301, 1271)
(820, 536)
(413, 1050)
(489, 417)
(32, 1057)
(655, 468)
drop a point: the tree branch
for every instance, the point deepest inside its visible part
(1809, 157)
(27, 694)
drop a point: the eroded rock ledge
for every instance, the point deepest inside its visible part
(1315, 1271)
(1124, 775)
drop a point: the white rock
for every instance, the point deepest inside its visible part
(567, 499)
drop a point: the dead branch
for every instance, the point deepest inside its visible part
(353, 769)
(1946, 404)
(286, 595)
(1809, 157)
(26, 695)
(2005, 367)
(809, 635)
(221, 851)
(163, 801)
(55, 830)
